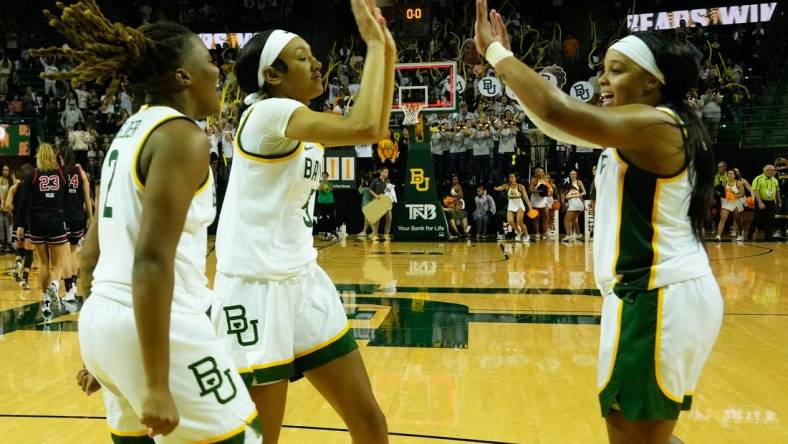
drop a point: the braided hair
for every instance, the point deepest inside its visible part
(114, 54)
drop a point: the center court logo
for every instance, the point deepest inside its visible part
(421, 211)
(417, 178)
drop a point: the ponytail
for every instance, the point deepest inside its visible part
(677, 62)
(700, 168)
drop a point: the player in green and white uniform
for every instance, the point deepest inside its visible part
(279, 313)
(143, 332)
(662, 306)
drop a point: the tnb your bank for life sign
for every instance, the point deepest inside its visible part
(722, 15)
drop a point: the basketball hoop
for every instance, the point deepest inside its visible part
(411, 111)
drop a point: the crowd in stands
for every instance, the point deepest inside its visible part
(485, 140)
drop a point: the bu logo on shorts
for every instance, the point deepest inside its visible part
(211, 380)
(237, 324)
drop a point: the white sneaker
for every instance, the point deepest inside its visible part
(568, 238)
(717, 238)
(740, 238)
(71, 295)
(527, 238)
(537, 237)
(53, 291)
(518, 237)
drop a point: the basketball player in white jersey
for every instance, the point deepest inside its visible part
(662, 306)
(280, 313)
(143, 332)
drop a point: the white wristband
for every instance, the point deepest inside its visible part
(496, 52)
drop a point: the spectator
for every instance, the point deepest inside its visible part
(50, 86)
(517, 200)
(71, 116)
(6, 68)
(571, 47)
(82, 97)
(365, 181)
(392, 194)
(540, 189)
(456, 149)
(80, 140)
(507, 142)
(722, 175)
(481, 146)
(712, 112)
(484, 212)
(378, 189)
(31, 102)
(732, 202)
(573, 195)
(458, 218)
(15, 106)
(214, 138)
(7, 180)
(437, 145)
(125, 101)
(228, 138)
(326, 209)
(766, 190)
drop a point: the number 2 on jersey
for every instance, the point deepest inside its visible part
(112, 162)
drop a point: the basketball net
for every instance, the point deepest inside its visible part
(411, 111)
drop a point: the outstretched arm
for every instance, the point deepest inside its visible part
(636, 127)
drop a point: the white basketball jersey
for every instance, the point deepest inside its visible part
(642, 234)
(265, 228)
(120, 212)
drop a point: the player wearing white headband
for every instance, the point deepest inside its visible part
(662, 306)
(279, 312)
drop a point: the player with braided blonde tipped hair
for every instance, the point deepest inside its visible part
(143, 332)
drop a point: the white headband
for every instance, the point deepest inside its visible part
(637, 50)
(273, 47)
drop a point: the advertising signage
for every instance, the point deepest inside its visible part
(234, 39)
(722, 15)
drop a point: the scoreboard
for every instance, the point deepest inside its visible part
(413, 20)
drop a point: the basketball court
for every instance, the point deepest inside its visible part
(464, 342)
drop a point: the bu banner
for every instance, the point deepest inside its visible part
(340, 164)
(14, 140)
(419, 215)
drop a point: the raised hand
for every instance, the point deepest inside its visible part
(368, 17)
(391, 46)
(500, 32)
(489, 28)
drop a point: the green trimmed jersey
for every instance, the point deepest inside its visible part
(643, 235)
